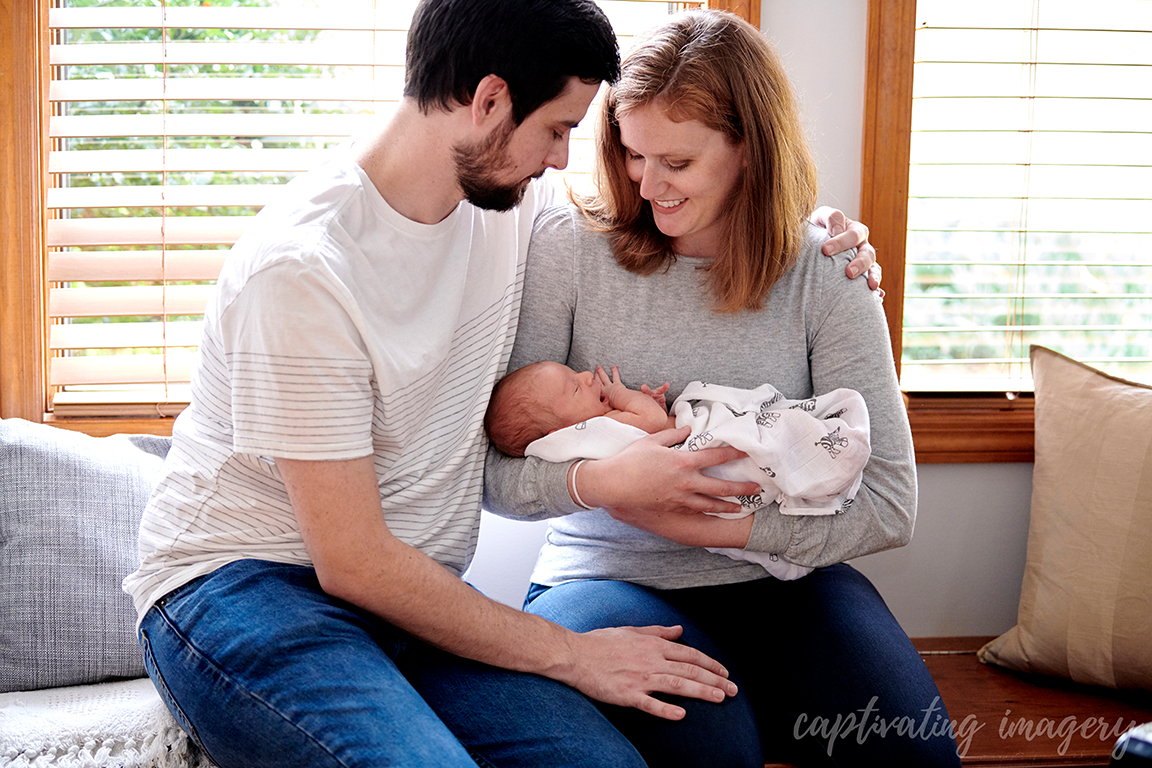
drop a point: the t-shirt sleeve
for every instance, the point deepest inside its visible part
(302, 383)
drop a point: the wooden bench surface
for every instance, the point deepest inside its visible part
(1006, 718)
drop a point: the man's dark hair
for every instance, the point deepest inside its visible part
(534, 45)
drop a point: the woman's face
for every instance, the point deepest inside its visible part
(686, 171)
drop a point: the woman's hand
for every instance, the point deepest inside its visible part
(650, 476)
(844, 234)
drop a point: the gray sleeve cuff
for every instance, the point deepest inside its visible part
(526, 489)
(772, 532)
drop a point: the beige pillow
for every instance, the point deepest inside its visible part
(1086, 601)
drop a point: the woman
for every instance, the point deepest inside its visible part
(695, 261)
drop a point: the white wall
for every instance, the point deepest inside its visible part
(822, 43)
(961, 573)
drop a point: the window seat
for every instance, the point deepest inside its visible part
(1006, 718)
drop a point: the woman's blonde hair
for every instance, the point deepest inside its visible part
(713, 67)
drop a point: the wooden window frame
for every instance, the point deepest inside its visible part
(946, 428)
(23, 344)
(23, 60)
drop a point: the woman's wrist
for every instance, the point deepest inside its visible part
(589, 493)
(743, 532)
(573, 491)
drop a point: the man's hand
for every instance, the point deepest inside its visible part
(625, 665)
(844, 234)
(649, 475)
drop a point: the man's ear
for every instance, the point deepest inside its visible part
(492, 101)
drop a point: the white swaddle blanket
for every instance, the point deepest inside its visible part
(806, 455)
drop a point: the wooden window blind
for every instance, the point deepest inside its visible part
(171, 123)
(1030, 191)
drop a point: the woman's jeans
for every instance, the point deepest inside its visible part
(826, 674)
(263, 668)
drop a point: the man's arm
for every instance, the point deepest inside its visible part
(357, 559)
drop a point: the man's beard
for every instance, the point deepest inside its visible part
(476, 168)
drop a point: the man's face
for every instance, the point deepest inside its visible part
(494, 173)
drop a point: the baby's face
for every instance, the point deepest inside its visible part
(574, 397)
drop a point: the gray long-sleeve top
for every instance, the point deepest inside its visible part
(818, 331)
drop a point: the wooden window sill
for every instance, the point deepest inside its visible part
(946, 429)
(113, 425)
(970, 429)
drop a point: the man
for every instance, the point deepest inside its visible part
(299, 592)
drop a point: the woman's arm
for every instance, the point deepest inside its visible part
(530, 488)
(533, 489)
(848, 347)
(851, 348)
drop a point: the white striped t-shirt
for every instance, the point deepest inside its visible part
(340, 329)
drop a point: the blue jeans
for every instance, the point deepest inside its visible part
(262, 668)
(826, 674)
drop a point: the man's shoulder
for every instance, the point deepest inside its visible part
(286, 243)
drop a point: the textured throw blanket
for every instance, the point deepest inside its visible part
(123, 724)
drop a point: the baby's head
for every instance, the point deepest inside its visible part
(537, 399)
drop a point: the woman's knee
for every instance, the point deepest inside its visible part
(595, 604)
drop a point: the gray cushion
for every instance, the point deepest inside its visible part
(70, 508)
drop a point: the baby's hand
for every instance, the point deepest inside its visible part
(609, 386)
(643, 408)
(656, 394)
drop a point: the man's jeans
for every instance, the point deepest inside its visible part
(263, 668)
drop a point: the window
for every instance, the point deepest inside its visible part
(1028, 168)
(146, 131)
(1030, 191)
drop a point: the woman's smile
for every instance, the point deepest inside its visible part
(687, 171)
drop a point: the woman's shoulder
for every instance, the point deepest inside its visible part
(816, 280)
(812, 261)
(556, 213)
(562, 230)
(562, 216)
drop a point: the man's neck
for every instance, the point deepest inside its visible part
(410, 160)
